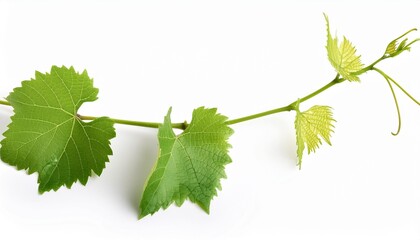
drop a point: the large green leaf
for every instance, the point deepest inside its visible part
(46, 134)
(343, 56)
(190, 165)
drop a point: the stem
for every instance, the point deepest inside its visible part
(138, 123)
(290, 107)
(183, 126)
(336, 80)
(371, 66)
(258, 115)
(3, 102)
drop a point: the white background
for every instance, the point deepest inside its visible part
(242, 57)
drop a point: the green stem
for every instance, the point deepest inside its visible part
(138, 123)
(184, 125)
(371, 66)
(3, 102)
(290, 107)
(336, 80)
(258, 115)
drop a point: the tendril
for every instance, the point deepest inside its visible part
(397, 107)
(389, 81)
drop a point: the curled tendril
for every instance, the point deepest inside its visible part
(391, 81)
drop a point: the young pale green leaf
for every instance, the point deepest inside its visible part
(311, 126)
(343, 56)
(190, 165)
(47, 136)
(395, 47)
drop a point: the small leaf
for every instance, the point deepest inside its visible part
(311, 126)
(190, 165)
(392, 48)
(395, 47)
(343, 56)
(47, 136)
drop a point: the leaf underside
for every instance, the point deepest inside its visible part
(311, 126)
(190, 165)
(46, 136)
(342, 56)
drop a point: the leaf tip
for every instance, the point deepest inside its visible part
(168, 114)
(325, 16)
(205, 207)
(141, 215)
(41, 190)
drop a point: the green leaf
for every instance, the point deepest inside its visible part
(395, 47)
(343, 56)
(46, 135)
(311, 126)
(190, 165)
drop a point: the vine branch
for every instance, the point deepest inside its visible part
(287, 108)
